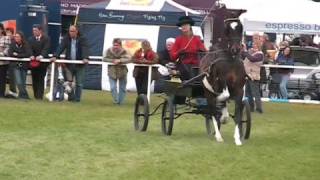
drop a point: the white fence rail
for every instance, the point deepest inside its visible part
(79, 62)
(150, 71)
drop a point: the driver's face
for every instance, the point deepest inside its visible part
(185, 28)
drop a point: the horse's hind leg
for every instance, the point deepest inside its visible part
(238, 119)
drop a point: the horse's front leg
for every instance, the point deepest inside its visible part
(238, 119)
(216, 124)
(212, 103)
(224, 112)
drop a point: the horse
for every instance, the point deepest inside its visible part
(225, 76)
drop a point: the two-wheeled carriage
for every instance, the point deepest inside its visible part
(175, 105)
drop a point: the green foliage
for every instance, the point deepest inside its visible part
(95, 139)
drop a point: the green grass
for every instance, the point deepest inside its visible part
(95, 140)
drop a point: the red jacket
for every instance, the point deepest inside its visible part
(149, 57)
(190, 50)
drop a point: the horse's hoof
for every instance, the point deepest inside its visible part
(238, 142)
(219, 139)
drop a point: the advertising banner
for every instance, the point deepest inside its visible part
(282, 27)
(133, 17)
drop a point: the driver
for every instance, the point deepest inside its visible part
(186, 49)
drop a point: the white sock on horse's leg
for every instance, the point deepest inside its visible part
(225, 115)
(236, 136)
(224, 95)
(216, 129)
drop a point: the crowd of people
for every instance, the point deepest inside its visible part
(263, 51)
(182, 51)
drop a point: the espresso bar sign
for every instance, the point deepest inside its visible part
(282, 27)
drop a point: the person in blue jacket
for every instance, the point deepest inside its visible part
(284, 58)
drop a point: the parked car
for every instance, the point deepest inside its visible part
(303, 83)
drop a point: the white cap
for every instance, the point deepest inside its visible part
(170, 40)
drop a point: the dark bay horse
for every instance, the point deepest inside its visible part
(225, 75)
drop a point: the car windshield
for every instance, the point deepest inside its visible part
(309, 58)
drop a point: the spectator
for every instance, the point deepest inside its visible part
(144, 55)
(40, 45)
(282, 45)
(252, 63)
(164, 60)
(164, 56)
(284, 58)
(10, 32)
(76, 48)
(267, 46)
(256, 38)
(4, 47)
(20, 48)
(269, 50)
(12, 82)
(118, 70)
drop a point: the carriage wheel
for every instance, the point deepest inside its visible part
(246, 119)
(167, 117)
(141, 113)
(210, 126)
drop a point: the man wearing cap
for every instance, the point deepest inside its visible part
(186, 48)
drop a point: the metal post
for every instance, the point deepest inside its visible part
(149, 83)
(52, 81)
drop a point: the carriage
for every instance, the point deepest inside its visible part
(171, 109)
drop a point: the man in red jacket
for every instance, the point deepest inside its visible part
(185, 50)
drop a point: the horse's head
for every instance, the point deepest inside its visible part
(228, 29)
(233, 32)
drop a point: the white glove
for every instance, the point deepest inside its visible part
(163, 71)
(39, 58)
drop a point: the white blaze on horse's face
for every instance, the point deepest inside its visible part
(233, 25)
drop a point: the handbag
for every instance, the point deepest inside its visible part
(34, 63)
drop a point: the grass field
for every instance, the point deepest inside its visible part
(95, 140)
